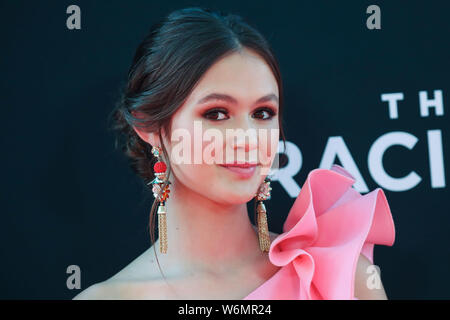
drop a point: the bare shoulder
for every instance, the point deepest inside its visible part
(110, 289)
(94, 292)
(138, 280)
(123, 290)
(368, 285)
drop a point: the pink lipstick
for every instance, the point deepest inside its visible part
(242, 170)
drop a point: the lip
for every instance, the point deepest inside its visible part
(239, 165)
(242, 170)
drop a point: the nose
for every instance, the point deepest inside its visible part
(245, 140)
(245, 134)
(242, 141)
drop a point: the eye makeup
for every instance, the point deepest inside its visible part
(220, 113)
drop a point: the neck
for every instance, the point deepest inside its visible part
(206, 236)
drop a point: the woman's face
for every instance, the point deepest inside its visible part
(242, 128)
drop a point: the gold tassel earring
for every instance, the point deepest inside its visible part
(263, 228)
(161, 193)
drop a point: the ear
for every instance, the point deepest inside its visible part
(151, 138)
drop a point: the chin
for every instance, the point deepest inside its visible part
(236, 197)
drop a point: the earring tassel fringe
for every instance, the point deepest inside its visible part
(162, 228)
(263, 229)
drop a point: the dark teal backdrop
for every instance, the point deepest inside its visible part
(69, 198)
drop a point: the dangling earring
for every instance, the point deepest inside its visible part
(161, 193)
(263, 229)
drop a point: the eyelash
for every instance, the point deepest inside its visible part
(270, 111)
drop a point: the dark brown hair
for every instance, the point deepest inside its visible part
(167, 65)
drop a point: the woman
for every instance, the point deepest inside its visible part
(199, 68)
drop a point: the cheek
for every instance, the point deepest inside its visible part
(213, 149)
(194, 140)
(268, 145)
(192, 174)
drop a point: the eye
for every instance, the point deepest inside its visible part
(264, 113)
(216, 114)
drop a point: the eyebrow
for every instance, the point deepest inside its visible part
(230, 99)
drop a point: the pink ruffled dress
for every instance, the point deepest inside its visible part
(328, 226)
